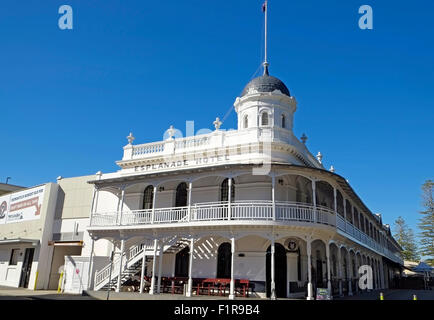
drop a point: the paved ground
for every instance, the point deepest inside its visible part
(396, 294)
(7, 293)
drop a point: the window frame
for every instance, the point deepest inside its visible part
(262, 119)
(245, 121)
(11, 258)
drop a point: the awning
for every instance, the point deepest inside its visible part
(32, 242)
(423, 267)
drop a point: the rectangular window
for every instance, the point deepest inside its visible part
(14, 257)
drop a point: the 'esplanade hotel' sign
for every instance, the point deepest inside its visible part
(182, 163)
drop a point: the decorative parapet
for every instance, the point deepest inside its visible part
(216, 142)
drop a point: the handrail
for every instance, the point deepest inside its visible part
(242, 210)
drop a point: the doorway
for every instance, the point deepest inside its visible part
(27, 267)
(182, 262)
(280, 269)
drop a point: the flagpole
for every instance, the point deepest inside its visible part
(266, 9)
(265, 58)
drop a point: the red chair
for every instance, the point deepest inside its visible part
(207, 286)
(243, 286)
(222, 285)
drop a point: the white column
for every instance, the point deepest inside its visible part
(89, 273)
(273, 198)
(350, 275)
(345, 213)
(314, 199)
(94, 203)
(329, 283)
(190, 269)
(377, 265)
(232, 286)
(118, 207)
(160, 265)
(383, 286)
(378, 275)
(229, 197)
(273, 284)
(309, 270)
(91, 258)
(335, 200)
(118, 289)
(352, 216)
(121, 205)
(190, 187)
(142, 280)
(374, 275)
(154, 262)
(154, 195)
(357, 273)
(340, 271)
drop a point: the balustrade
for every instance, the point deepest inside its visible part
(242, 210)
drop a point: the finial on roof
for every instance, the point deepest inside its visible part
(319, 157)
(130, 138)
(217, 123)
(171, 133)
(303, 138)
(266, 64)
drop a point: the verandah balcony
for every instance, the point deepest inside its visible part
(239, 211)
(219, 211)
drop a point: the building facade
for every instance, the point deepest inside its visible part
(26, 221)
(251, 204)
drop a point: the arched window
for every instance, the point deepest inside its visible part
(264, 118)
(181, 195)
(356, 218)
(181, 262)
(224, 261)
(225, 188)
(148, 197)
(354, 268)
(246, 122)
(283, 118)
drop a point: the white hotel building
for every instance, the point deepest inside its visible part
(248, 204)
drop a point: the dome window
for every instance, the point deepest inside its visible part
(283, 121)
(246, 122)
(264, 119)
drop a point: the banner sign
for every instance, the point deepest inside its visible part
(322, 294)
(21, 206)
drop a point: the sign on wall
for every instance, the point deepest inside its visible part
(323, 294)
(21, 206)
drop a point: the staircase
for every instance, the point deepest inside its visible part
(132, 262)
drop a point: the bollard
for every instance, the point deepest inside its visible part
(59, 287)
(381, 296)
(414, 297)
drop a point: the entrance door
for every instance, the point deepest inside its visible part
(27, 267)
(182, 262)
(319, 275)
(280, 275)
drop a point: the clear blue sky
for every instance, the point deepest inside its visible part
(69, 98)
